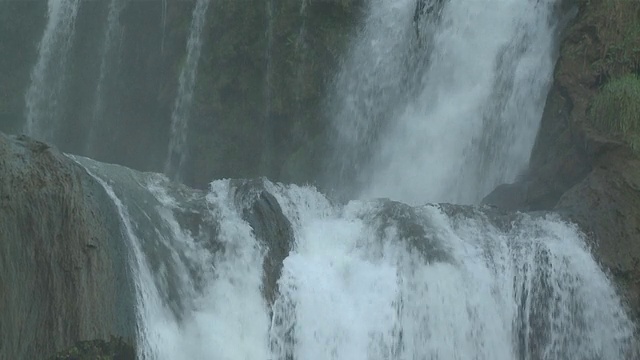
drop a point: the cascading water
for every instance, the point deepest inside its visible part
(301, 49)
(256, 270)
(199, 290)
(184, 99)
(268, 86)
(448, 101)
(112, 38)
(376, 77)
(359, 285)
(164, 24)
(369, 280)
(48, 75)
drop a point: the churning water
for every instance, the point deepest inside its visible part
(369, 280)
(434, 103)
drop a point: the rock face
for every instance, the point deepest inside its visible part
(606, 205)
(114, 349)
(590, 176)
(63, 271)
(261, 210)
(264, 66)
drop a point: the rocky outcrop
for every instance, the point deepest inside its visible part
(606, 205)
(261, 210)
(63, 271)
(590, 176)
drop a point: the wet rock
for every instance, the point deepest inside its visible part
(409, 226)
(271, 227)
(63, 271)
(606, 205)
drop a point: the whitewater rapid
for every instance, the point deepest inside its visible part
(440, 108)
(366, 280)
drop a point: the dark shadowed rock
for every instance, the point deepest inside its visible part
(606, 205)
(408, 225)
(270, 226)
(63, 262)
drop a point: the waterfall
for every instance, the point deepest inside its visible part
(437, 100)
(164, 24)
(358, 286)
(44, 95)
(184, 99)
(367, 280)
(301, 50)
(112, 38)
(199, 293)
(443, 103)
(268, 87)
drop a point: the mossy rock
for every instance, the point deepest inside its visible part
(114, 349)
(616, 110)
(619, 31)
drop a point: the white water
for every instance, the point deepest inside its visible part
(184, 99)
(355, 285)
(349, 293)
(354, 288)
(43, 96)
(164, 24)
(192, 303)
(448, 118)
(112, 38)
(268, 88)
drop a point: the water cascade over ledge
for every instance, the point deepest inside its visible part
(436, 102)
(368, 280)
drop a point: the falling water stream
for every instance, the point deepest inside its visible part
(447, 106)
(184, 99)
(268, 86)
(435, 103)
(44, 94)
(112, 39)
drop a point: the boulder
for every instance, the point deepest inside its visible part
(63, 260)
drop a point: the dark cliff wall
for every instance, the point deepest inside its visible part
(63, 261)
(258, 97)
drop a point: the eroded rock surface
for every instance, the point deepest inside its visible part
(63, 262)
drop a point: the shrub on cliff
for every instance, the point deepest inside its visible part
(616, 110)
(617, 26)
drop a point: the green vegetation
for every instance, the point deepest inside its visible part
(616, 110)
(619, 32)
